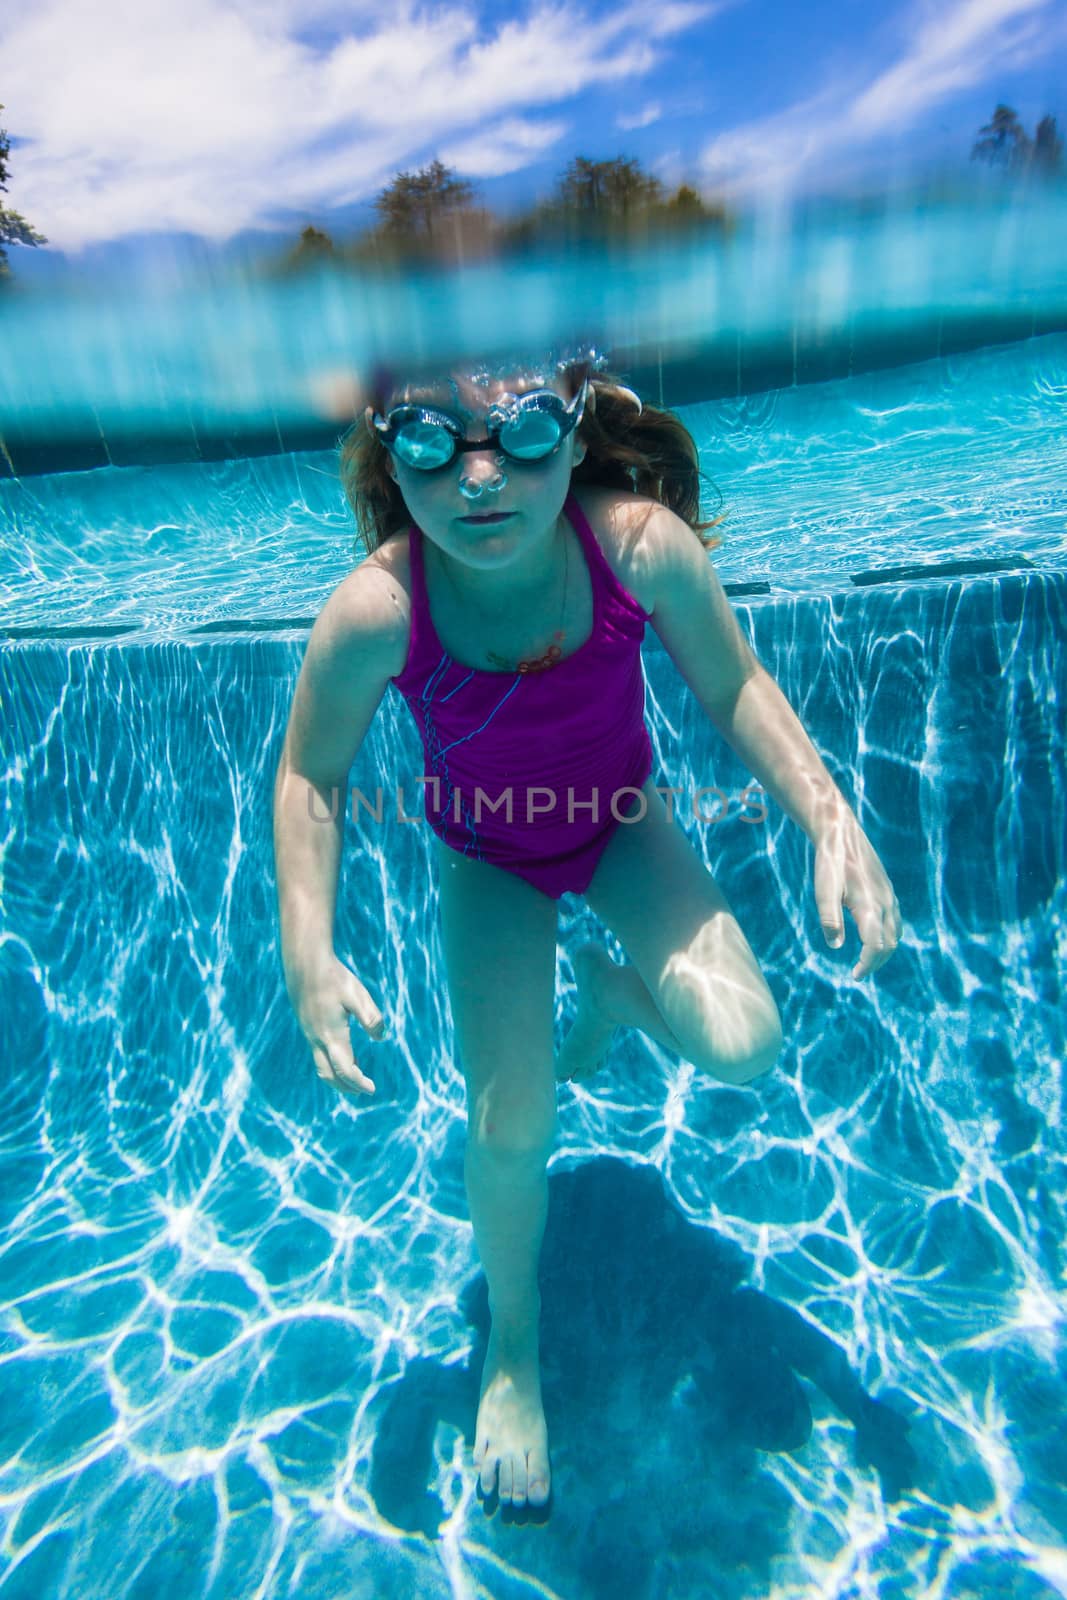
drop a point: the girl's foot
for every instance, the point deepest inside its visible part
(587, 1043)
(511, 1440)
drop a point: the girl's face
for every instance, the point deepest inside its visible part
(486, 530)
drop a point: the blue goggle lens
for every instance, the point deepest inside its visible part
(425, 445)
(428, 439)
(532, 435)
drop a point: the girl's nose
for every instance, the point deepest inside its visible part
(482, 474)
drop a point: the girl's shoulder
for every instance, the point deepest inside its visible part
(373, 603)
(620, 521)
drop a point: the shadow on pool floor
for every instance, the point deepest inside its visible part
(642, 1312)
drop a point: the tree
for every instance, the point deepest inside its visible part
(686, 202)
(612, 200)
(607, 190)
(688, 209)
(1048, 149)
(414, 204)
(1004, 142)
(14, 229)
(314, 243)
(313, 249)
(592, 200)
(427, 216)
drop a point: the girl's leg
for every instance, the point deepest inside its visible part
(694, 985)
(499, 937)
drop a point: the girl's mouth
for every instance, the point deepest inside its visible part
(489, 516)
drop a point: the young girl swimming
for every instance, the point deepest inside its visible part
(523, 527)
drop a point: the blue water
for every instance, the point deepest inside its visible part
(947, 460)
(192, 348)
(802, 1339)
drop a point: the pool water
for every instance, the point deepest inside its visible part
(801, 1339)
(958, 459)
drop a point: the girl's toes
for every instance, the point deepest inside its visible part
(539, 1479)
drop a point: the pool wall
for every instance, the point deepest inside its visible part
(217, 1271)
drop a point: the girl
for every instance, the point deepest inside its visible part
(522, 528)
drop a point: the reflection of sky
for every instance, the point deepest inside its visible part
(221, 117)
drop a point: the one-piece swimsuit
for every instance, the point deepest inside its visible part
(534, 770)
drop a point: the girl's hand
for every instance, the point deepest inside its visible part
(324, 997)
(848, 872)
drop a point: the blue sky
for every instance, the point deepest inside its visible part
(214, 118)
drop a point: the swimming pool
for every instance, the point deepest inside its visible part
(241, 1316)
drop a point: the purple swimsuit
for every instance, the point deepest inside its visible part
(533, 771)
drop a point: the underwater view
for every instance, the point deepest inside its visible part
(800, 1337)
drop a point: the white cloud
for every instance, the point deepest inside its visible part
(208, 117)
(504, 147)
(640, 119)
(950, 49)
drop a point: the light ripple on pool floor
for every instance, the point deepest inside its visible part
(237, 1310)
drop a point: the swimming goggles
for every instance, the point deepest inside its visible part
(526, 427)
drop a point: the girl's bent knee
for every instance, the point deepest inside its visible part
(738, 1073)
(760, 1057)
(743, 1058)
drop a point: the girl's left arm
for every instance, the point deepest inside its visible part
(700, 632)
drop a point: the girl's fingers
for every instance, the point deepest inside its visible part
(829, 892)
(879, 942)
(896, 921)
(871, 958)
(869, 896)
(336, 1067)
(358, 1003)
(347, 1075)
(335, 997)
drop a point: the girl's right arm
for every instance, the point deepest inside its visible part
(356, 645)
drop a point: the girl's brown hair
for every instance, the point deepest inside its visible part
(645, 450)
